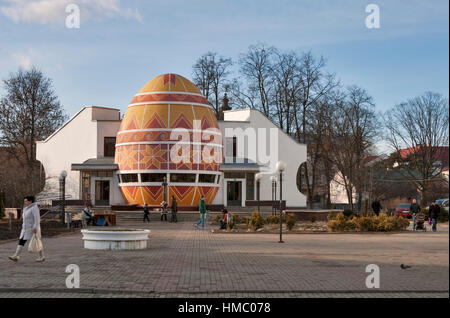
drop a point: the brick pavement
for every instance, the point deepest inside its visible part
(183, 262)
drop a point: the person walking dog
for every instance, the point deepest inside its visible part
(435, 210)
(30, 226)
(202, 210)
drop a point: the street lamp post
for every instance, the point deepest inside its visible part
(274, 193)
(62, 183)
(281, 166)
(258, 178)
(164, 184)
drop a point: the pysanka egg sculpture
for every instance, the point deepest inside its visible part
(169, 111)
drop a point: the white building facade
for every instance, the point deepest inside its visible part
(84, 147)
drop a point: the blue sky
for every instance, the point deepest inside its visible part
(121, 45)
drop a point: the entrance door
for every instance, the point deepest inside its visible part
(102, 192)
(234, 193)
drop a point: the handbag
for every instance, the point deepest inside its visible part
(429, 221)
(35, 245)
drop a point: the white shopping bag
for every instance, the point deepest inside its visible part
(35, 245)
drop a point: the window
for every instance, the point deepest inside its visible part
(234, 146)
(235, 175)
(251, 186)
(109, 146)
(129, 178)
(206, 178)
(152, 177)
(218, 179)
(182, 177)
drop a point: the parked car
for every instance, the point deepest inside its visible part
(443, 203)
(403, 210)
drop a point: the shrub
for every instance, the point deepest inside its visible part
(383, 222)
(236, 219)
(312, 218)
(348, 213)
(365, 224)
(256, 221)
(217, 218)
(341, 223)
(331, 216)
(245, 220)
(291, 219)
(273, 219)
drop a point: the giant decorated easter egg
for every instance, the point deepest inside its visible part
(169, 143)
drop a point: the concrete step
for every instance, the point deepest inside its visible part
(127, 216)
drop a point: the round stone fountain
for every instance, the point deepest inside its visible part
(115, 239)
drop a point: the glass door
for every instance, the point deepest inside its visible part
(234, 193)
(102, 192)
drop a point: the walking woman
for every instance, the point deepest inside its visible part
(30, 226)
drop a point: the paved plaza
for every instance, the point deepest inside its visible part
(183, 262)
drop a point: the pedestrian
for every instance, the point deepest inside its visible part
(414, 209)
(87, 214)
(146, 213)
(202, 210)
(376, 207)
(174, 210)
(224, 219)
(435, 210)
(30, 226)
(164, 210)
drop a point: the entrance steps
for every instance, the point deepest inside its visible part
(182, 216)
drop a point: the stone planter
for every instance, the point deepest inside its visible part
(116, 239)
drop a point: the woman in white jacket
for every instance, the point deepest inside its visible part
(31, 225)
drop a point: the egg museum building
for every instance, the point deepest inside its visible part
(169, 143)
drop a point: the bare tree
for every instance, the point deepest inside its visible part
(255, 67)
(352, 135)
(313, 86)
(210, 73)
(416, 131)
(29, 111)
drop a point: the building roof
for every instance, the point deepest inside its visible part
(440, 153)
(237, 165)
(96, 164)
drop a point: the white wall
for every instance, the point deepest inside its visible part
(105, 129)
(289, 151)
(79, 139)
(73, 143)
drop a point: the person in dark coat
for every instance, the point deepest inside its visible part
(174, 209)
(146, 213)
(376, 207)
(435, 210)
(414, 208)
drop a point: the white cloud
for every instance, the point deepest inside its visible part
(53, 11)
(23, 60)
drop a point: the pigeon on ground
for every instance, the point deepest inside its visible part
(403, 266)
